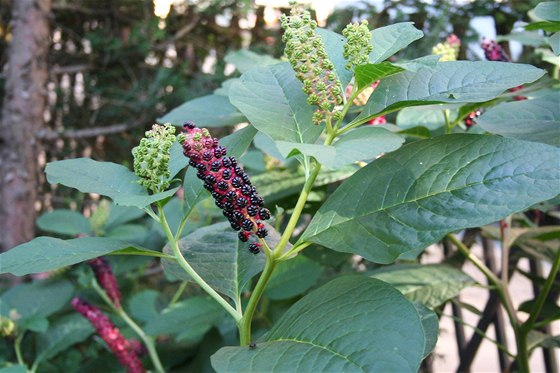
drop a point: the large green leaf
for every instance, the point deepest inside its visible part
(449, 82)
(293, 277)
(371, 72)
(548, 10)
(218, 256)
(206, 111)
(105, 178)
(236, 143)
(430, 323)
(411, 198)
(143, 305)
(62, 334)
(40, 298)
(430, 117)
(431, 285)
(351, 324)
(535, 119)
(334, 46)
(390, 39)
(188, 320)
(62, 221)
(245, 60)
(44, 254)
(272, 99)
(358, 145)
(275, 185)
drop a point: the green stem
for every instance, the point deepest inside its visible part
(178, 293)
(448, 125)
(17, 348)
(148, 341)
(190, 270)
(543, 295)
(503, 294)
(245, 323)
(293, 251)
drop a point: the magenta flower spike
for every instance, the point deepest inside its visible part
(494, 51)
(106, 279)
(120, 347)
(227, 182)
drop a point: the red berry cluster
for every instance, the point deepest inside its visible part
(493, 51)
(106, 279)
(470, 120)
(122, 348)
(227, 182)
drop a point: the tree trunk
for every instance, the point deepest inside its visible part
(22, 118)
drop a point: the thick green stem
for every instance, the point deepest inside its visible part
(148, 341)
(190, 270)
(245, 323)
(503, 293)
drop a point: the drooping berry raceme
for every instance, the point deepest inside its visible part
(449, 49)
(494, 51)
(306, 52)
(106, 279)
(228, 184)
(120, 347)
(151, 157)
(358, 45)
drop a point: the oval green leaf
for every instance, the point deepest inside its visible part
(351, 324)
(411, 198)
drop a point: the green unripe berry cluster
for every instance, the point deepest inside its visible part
(151, 157)
(448, 50)
(306, 52)
(358, 45)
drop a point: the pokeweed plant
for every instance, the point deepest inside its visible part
(402, 191)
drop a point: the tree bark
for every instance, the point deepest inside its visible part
(22, 117)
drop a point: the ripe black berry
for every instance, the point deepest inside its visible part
(237, 215)
(207, 156)
(208, 187)
(245, 178)
(241, 202)
(228, 206)
(222, 185)
(238, 171)
(189, 124)
(254, 248)
(243, 236)
(246, 190)
(247, 225)
(226, 162)
(233, 161)
(252, 210)
(216, 195)
(264, 214)
(226, 174)
(235, 226)
(192, 163)
(262, 232)
(219, 204)
(237, 182)
(216, 165)
(210, 179)
(201, 167)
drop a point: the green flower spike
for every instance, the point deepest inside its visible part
(306, 52)
(358, 45)
(151, 157)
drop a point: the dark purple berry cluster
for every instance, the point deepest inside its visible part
(227, 182)
(493, 51)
